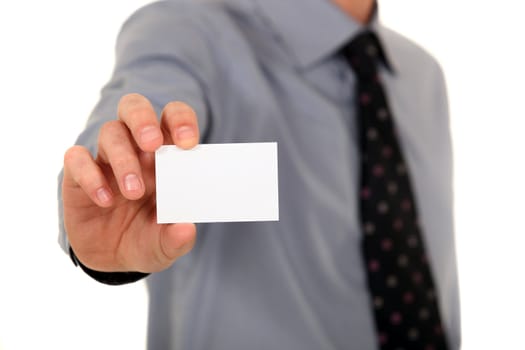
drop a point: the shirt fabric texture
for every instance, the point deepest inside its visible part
(266, 71)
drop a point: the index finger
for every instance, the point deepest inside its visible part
(137, 113)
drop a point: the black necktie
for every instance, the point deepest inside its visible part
(399, 277)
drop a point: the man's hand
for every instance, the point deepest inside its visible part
(109, 202)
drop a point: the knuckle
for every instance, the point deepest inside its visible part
(72, 154)
(110, 128)
(179, 109)
(131, 99)
(124, 161)
(87, 181)
(134, 107)
(187, 247)
(161, 254)
(110, 133)
(161, 259)
(136, 113)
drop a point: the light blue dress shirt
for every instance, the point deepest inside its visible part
(265, 70)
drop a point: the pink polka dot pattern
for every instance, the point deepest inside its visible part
(396, 318)
(408, 298)
(365, 193)
(403, 296)
(373, 265)
(386, 244)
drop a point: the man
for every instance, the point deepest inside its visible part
(250, 71)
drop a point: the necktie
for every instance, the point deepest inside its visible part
(399, 277)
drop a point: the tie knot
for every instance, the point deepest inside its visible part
(363, 54)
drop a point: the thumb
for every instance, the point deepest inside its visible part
(176, 240)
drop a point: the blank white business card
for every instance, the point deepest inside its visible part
(217, 183)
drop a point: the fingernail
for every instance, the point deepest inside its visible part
(149, 134)
(131, 182)
(103, 195)
(185, 132)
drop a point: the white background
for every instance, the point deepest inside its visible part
(54, 57)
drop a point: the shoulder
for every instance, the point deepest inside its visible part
(184, 24)
(169, 14)
(410, 57)
(418, 82)
(194, 34)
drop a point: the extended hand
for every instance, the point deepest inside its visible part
(109, 202)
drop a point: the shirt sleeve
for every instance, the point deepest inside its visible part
(162, 52)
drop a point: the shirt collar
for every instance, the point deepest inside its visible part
(307, 40)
